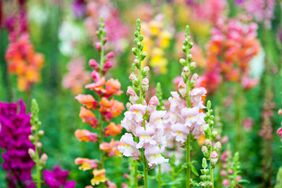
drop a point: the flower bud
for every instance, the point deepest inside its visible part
(110, 55)
(31, 137)
(107, 65)
(280, 112)
(146, 69)
(31, 152)
(217, 145)
(98, 46)
(44, 158)
(38, 144)
(95, 76)
(226, 183)
(41, 132)
(93, 63)
(214, 157)
(205, 150)
(132, 77)
(208, 142)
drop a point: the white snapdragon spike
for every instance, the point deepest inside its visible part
(149, 131)
(180, 120)
(128, 146)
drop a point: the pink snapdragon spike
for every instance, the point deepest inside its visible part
(232, 46)
(76, 77)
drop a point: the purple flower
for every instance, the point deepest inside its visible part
(15, 129)
(57, 178)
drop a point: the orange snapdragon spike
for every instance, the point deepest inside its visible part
(110, 108)
(99, 177)
(88, 117)
(110, 148)
(85, 136)
(113, 130)
(24, 62)
(86, 164)
(87, 100)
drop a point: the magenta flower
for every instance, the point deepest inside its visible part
(57, 178)
(15, 129)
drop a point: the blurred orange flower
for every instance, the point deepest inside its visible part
(85, 136)
(112, 129)
(110, 148)
(88, 117)
(87, 100)
(86, 164)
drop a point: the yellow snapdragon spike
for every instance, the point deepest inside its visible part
(165, 39)
(155, 28)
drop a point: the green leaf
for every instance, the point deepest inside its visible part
(194, 170)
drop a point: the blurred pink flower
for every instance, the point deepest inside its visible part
(76, 77)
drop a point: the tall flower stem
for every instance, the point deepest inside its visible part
(38, 170)
(133, 174)
(159, 176)
(212, 176)
(145, 170)
(188, 161)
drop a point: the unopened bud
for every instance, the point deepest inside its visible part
(41, 132)
(98, 46)
(205, 150)
(44, 158)
(31, 138)
(38, 144)
(31, 152)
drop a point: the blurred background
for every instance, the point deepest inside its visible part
(237, 49)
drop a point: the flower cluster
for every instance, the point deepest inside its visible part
(24, 61)
(233, 44)
(76, 76)
(107, 107)
(261, 10)
(185, 112)
(143, 122)
(116, 30)
(14, 132)
(157, 39)
(57, 178)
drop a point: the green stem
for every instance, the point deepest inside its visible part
(37, 169)
(133, 174)
(102, 54)
(159, 176)
(145, 167)
(212, 176)
(188, 161)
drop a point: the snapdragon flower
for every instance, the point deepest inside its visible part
(142, 120)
